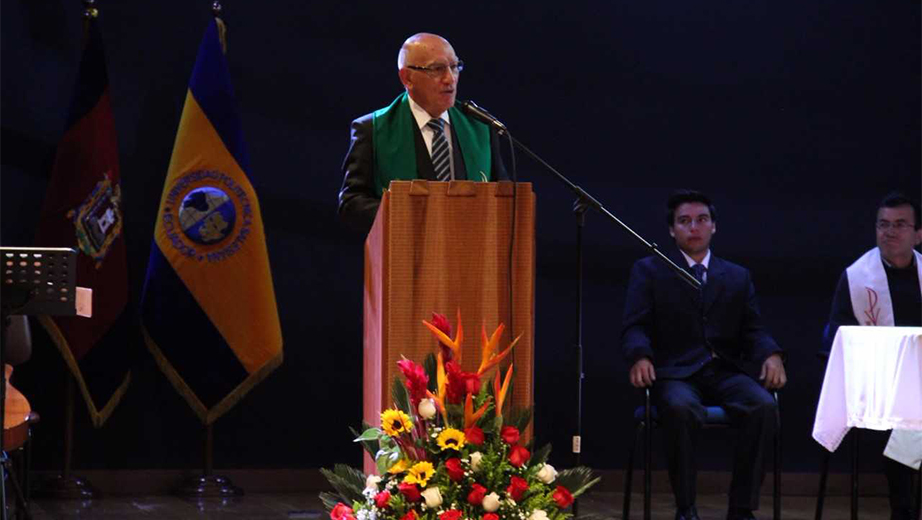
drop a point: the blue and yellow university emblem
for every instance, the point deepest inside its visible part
(207, 216)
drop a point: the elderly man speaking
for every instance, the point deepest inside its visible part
(420, 135)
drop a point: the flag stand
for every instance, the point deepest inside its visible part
(208, 485)
(217, 175)
(67, 486)
(102, 158)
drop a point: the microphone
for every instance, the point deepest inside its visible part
(472, 109)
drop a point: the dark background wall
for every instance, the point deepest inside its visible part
(797, 116)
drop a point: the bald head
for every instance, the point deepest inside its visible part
(419, 47)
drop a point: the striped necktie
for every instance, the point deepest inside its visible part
(441, 158)
(700, 271)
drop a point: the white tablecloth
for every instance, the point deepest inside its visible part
(873, 380)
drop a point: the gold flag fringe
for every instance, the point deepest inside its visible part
(208, 416)
(222, 33)
(98, 416)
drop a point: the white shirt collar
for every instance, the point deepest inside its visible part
(422, 117)
(705, 262)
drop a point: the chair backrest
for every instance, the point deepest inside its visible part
(17, 341)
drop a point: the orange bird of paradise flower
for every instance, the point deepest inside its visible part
(488, 356)
(453, 344)
(501, 390)
(488, 359)
(470, 416)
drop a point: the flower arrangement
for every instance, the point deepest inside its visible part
(447, 450)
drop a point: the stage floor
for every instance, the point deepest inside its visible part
(306, 506)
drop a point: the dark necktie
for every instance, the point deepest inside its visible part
(441, 159)
(699, 271)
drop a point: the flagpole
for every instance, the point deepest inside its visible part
(66, 486)
(209, 485)
(90, 12)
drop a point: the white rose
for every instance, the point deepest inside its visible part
(476, 457)
(426, 409)
(538, 514)
(547, 474)
(433, 497)
(372, 482)
(491, 503)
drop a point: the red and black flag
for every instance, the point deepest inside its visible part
(83, 210)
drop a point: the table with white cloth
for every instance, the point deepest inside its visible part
(874, 380)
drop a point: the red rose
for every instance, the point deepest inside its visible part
(518, 456)
(474, 435)
(417, 381)
(382, 498)
(455, 471)
(510, 435)
(339, 511)
(451, 514)
(563, 497)
(410, 491)
(411, 515)
(517, 488)
(475, 497)
(491, 516)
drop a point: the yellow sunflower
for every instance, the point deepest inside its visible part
(451, 439)
(399, 467)
(394, 422)
(420, 474)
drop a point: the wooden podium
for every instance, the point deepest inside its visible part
(444, 246)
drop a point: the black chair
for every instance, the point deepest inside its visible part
(715, 417)
(17, 456)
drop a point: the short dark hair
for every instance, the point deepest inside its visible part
(679, 197)
(895, 199)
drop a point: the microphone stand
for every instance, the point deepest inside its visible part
(584, 202)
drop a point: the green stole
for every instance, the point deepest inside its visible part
(395, 146)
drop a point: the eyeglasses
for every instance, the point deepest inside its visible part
(899, 225)
(438, 70)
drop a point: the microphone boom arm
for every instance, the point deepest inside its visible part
(591, 202)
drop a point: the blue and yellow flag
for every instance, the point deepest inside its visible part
(208, 309)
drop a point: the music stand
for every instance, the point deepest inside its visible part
(34, 280)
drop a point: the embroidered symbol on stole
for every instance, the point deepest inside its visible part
(872, 312)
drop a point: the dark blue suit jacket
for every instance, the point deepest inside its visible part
(668, 321)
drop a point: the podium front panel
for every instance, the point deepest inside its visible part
(444, 247)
